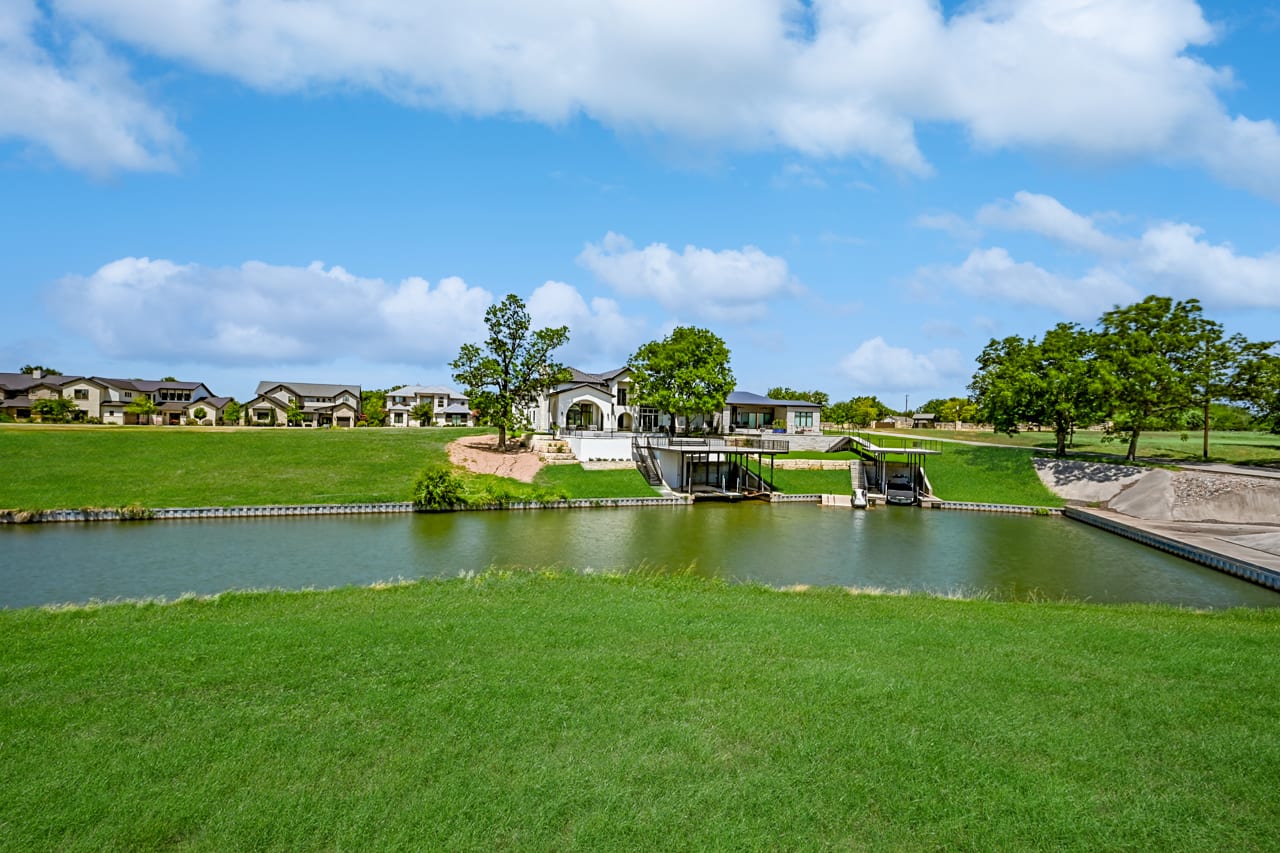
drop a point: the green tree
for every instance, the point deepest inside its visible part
(231, 412)
(1058, 383)
(781, 392)
(30, 370)
(200, 413)
(1258, 386)
(294, 415)
(686, 373)
(373, 407)
(54, 410)
(1150, 349)
(513, 368)
(423, 412)
(144, 407)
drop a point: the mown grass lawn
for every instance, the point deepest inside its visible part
(530, 711)
(573, 482)
(1242, 448)
(59, 467)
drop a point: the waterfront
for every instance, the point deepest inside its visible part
(971, 554)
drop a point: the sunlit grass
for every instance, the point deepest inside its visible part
(533, 710)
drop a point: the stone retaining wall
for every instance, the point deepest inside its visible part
(989, 507)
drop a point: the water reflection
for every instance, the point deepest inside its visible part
(996, 555)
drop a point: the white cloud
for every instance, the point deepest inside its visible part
(881, 368)
(1045, 215)
(599, 333)
(1169, 258)
(82, 107)
(1105, 79)
(262, 313)
(950, 223)
(729, 285)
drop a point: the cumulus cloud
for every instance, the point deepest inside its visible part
(729, 285)
(599, 333)
(81, 106)
(1170, 258)
(1106, 79)
(263, 313)
(880, 367)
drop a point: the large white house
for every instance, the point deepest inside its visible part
(603, 402)
(448, 407)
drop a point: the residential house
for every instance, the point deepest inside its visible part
(747, 412)
(594, 401)
(448, 407)
(108, 399)
(322, 405)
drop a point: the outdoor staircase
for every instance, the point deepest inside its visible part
(648, 465)
(855, 476)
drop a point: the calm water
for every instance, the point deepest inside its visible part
(895, 548)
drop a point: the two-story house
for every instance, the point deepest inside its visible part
(448, 407)
(321, 405)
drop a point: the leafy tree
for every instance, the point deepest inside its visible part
(54, 410)
(687, 373)
(1151, 349)
(437, 488)
(423, 412)
(859, 411)
(30, 370)
(200, 413)
(514, 366)
(169, 379)
(144, 407)
(373, 407)
(952, 409)
(231, 413)
(1216, 361)
(1259, 382)
(295, 413)
(783, 393)
(1057, 383)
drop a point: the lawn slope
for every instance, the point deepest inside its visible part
(532, 711)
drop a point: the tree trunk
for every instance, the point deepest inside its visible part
(1133, 446)
(1206, 428)
(1061, 434)
(502, 437)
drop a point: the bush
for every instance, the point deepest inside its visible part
(438, 488)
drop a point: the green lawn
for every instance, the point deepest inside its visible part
(573, 482)
(1245, 448)
(56, 467)
(529, 711)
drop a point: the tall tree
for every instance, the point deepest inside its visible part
(30, 370)
(1258, 384)
(513, 367)
(231, 412)
(373, 406)
(1216, 360)
(1150, 350)
(684, 374)
(1057, 382)
(423, 412)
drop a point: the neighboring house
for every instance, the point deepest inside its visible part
(748, 412)
(322, 405)
(108, 399)
(448, 407)
(594, 401)
(924, 420)
(175, 400)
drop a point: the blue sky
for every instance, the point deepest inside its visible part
(857, 196)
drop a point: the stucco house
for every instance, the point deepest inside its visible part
(594, 401)
(449, 407)
(322, 404)
(747, 412)
(108, 399)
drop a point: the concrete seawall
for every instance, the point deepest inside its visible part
(1226, 549)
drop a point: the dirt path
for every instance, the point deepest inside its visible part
(479, 453)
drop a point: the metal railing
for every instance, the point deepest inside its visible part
(710, 442)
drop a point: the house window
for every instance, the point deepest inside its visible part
(622, 396)
(399, 417)
(439, 402)
(82, 393)
(128, 395)
(261, 414)
(804, 419)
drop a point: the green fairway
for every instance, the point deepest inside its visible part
(1241, 448)
(531, 711)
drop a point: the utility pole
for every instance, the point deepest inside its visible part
(906, 404)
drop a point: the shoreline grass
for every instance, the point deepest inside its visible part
(544, 710)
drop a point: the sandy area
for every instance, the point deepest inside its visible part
(480, 453)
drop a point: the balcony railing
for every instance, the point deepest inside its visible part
(659, 441)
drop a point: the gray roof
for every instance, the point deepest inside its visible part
(146, 386)
(579, 378)
(308, 389)
(424, 390)
(456, 409)
(23, 381)
(746, 398)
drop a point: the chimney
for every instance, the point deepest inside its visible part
(37, 374)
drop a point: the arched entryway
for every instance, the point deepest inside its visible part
(625, 422)
(584, 414)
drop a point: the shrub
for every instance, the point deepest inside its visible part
(438, 488)
(134, 512)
